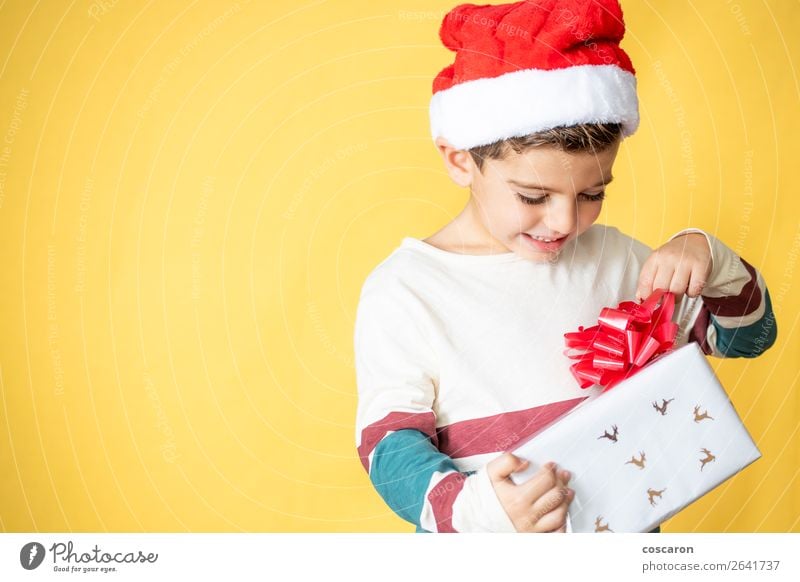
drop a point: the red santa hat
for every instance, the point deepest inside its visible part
(529, 66)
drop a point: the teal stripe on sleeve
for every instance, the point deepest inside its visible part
(401, 470)
(748, 341)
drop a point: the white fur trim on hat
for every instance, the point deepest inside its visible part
(484, 111)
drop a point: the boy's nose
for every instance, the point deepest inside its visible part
(562, 216)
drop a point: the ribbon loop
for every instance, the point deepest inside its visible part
(626, 338)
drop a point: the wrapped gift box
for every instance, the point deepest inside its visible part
(644, 450)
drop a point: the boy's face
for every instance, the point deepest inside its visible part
(568, 187)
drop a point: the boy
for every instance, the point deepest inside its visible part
(459, 337)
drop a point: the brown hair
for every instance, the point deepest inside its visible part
(589, 137)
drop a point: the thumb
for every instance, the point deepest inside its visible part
(501, 467)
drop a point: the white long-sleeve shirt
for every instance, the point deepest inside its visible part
(458, 357)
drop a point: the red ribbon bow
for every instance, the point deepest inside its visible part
(626, 338)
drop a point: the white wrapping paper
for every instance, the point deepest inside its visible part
(660, 458)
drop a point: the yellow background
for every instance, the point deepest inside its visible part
(191, 194)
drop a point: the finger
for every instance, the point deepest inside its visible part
(663, 277)
(698, 279)
(561, 479)
(538, 485)
(561, 529)
(680, 281)
(501, 467)
(645, 285)
(552, 519)
(553, 500)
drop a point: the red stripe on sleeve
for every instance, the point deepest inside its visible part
(499, 432)
(747, 301)
(371, 435)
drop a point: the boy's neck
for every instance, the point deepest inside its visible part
(465, 234)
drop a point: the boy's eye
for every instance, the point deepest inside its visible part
(594, 197)
(541, 199)
(527, 200)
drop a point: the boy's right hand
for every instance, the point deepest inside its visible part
(538, 505)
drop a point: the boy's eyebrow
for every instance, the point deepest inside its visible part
(546, 189)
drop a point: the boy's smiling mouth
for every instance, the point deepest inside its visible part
(545, 238)
(541, 245)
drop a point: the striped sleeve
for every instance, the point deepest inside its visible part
(396, 437)
(732, 317)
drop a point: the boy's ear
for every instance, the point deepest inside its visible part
(459, 163)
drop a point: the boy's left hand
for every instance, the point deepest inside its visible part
(682, 265)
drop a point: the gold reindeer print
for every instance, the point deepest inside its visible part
(638, 462)
(663, 408)
(652, 494)
(709, 457)
(598, 528)
(611, 437)
(699, 417)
